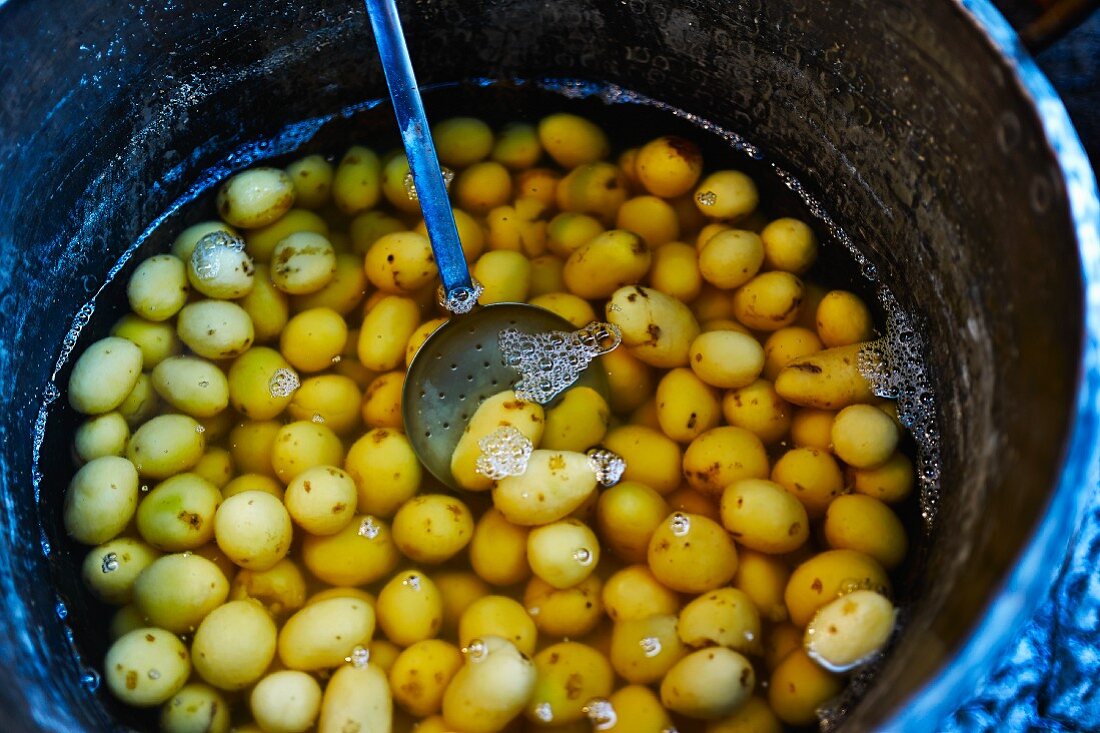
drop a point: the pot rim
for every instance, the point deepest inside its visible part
(1029, 580)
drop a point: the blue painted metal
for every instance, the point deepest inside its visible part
(415, 133)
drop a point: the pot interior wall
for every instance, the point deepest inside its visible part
(903, 125)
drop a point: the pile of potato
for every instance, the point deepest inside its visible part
(281, 561)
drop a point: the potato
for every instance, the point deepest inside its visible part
(266, 305)
(458, 589)
(361, 553)
(731, 258)
(260, 243)
(385, 333)
(577, 422)
(344, 292)
(752, 716)
(569, 674)
(627, 514)
(505, 276)
(250, 444)
(569, 231)
(828, 575)
(565, 613)
(865, 524)
(366, 228)
(321, 500)
(686, 405)
(381, 653)
(498, 549)
(547, 276)
(633, 709)
(864, 436)
(592, 188)
(769, 301)
(763, 578)
(812, 476)
(255, 197)
(312, 179)
(781, 639)
(691, 554)
(651, 458)
(724, 617)
(726, 359)
(356, 698)
(219, 268)
(410, 608)
(462, 141)
(101, 435)
(421, 673)
(789, 245)
(721, 456)
(563, 553)
(176, 592)
(141, 404)
(827, 380)
(501, 410)
(687, 499)
(328, 399)
(675, 271)
(356, 185)
(843, 319)
(281, 588)
(630, 380)
(651, 218)
(657, 328)
(471, 235)
(726, 195)
(302, 445)
(125, 620)
(146, 667)
(313, 338)
(482, 187)
(606, 263)
(253, 529)
(401, 262)
(644, 649)
(572, 140)
(713, 305)
(416, 340)
(158, 288)
(668, 166)
(109, 571)
(517, 146)
(850, 630)
(634, 593)
(890, 482)
(104, 375)
(798, 687)
(708, 684)
(560, 481)
(385, 470)
(215, 329)
(178, 514)
(432, 528)
(286, 701)
(492, 664)
(303, 263)
(196, 707)
(215, 466)
(192, 385)
(322, 634)
(759, 409)
(763, 516)
(101, 500)
(498, 615)
(786, 345)
(184, 244)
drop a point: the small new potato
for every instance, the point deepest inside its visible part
(499, 615)
(592, 188)
(724, 617)
(458, 589)
(564, 613)
(110, 570)
(686, 405)
(692, 554)
(356, 698)
(329, 399)
(386, 331)
(651, 457)
(253, 528)
(505, 276)
(158, 288)
(769, 301)
(560, 481)
(462, 141)
(356, 185)
(812, 475)
(572, 140)
(344, 292)
(196, 707)
(828, 575)
(627, 515)
(281, 588)
(266, 306)
(312, 179)
(321, 500)
(517, 146)
(731, 258)
(176, 592)
(101, 435)
(568, 675)
(850, 630)
(637, 710)
(843, 319)
(401, 262)
(360, 553)
(718, 457)
(432, 528)
(178, 514)
(577, 422)
(260, 243)
(643, 650)
(798, 686)
(786, 345)
(503, 409)
(826, 380)
(726, 195)
(286, 701)
(650, 217)
(891, 481)
(215, 329)
(657, 328)
(758, 408)
(763, 578)
(192, 385)
(498, 549)
(303, 263)
(864, 436)
(146, 667)
(304, 444)
(250, 443)
(322, 634)
(563, 553)
(708, 684)
(789, 245)
(141, 404)
(255, 197)
(385, 470)
(764, 516)
(863, 523)
(726, 359)
(669, 166)
(492, 663)
(409, 608)
(101, 500)
(420, 675)
(482, 187)
(752, 716)
(569, 231)
(166, 445)
(635, 593)
(104, 375)
(675, 271)
(313, 338)
(220, 268)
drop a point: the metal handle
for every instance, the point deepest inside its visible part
(458, 289)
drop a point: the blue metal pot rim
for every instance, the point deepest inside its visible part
(1030, 578)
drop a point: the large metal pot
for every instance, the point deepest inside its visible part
(929, 135)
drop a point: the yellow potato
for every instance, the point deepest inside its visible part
(656, 327)
(302, 445)
(568, 675)
(692, 554)
(726, 359)
(184, 245)
(462, 141)
(500, 616)
(253, 529)
(312, 179)
(651, 458)
(356, 185)
(827, 380)
(359, 554)
(125, 620)
(572, 140)
(492, 663)
(322, 634)
(158, 288)
(459, 589)
(630, 380)
(517, 146)
(769, 301)
(385, 470)
(843, 319)
(560, 482)
(726, 195)
(668, 166)
(482, 187)
(313, 338)
(592, 188)
(687, 499)
(759, 409)
(721, 456)
(215, 329)
(104, 375)
(176, 592)
(234, 645)
(850, 630)
(178, 514)
(250, 444)
(195, 707)
(724, 617)
(410, 608)
(731, 258)
(432, 528)
(420, 675)
(812, 476)
(344, 292)
(401, 262)
(627, 514)
(260, 243)
(505, 275)
(763, 578)
(192, 385)
(637, 709)
(864, 436)
(109, 571)
(763, 516)
(286, 701)
(146, 667)
(417, 339)
(329, 399)
(382, 653)
(651, 218)
(261, 383)
(798, 687)
(255, 197)
(828, 575)
(547, 276)
(789, 245)
(563, 553)
(281, 588)
(303, 263)
(141, 404)
(385, 333)
(321, 500)
(644, 649)
(708, 684)
(634, 593)
(569, 231)
(266, 306)
(215, 466)
(786, 345)
(675, 271)
(498, 549)
(356, 698)
(577, 422)
(686, 405)
(220, 268)
(752, 716)
(101, 500)
(891, 481)
(564, 613)
(101, 435)
(863, 523)
(367, 227)
(782, 639)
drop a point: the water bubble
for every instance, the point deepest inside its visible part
(607, 465)
(476, 650)
(410, 184)
(283, 383)
(359, 657)
(549, 362)
(110, 562)
(600, 713)
(154, 674)
(679, 524)
(319, 419)
(145, 488)
(534, 611)
(90, 679)
(706, 198)
(583, 556)
(504, 452)
(200, 429)
(206, 259)
(412, 581)
(651, 646)
(62, 610)
(544, 712)
(337, 359)
(369, 528)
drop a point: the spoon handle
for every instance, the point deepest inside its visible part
(415, 133)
